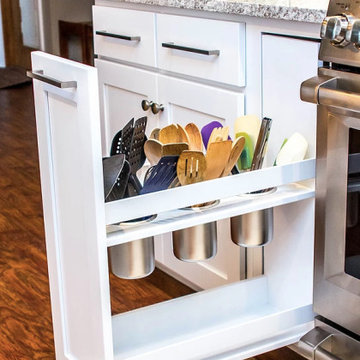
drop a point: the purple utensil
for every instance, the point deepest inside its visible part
(207, 130)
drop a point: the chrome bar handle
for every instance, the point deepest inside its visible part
(339, 98)
(326, 90)
(309, 91)
(118, 36)
(39, 75)
(171, 45)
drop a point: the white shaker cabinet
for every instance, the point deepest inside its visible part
(122, 89)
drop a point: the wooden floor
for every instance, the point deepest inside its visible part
(25, 315)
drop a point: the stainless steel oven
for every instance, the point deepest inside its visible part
(336, 90)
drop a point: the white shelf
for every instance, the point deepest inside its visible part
(183, 196)
(170, 219)
(180, 219)
(229, 313)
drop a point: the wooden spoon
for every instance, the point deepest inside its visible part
(174, 149)
(191, 167)
(154, 134)
(237, 148)
(153, 151)
(195, 140)
(169, 134)
(184, 137)
(217, 157)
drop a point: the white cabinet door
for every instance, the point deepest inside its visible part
(122, 89)
(186, 102)
(286, 62)
(67, 119)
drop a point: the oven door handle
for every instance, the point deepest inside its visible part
(325, 90)
(339, 98)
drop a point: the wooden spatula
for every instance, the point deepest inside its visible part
(169, 134)
(237, 148)
(217, 157)
(195, 140)
(219, 134)
(191, 167)
(153, 151)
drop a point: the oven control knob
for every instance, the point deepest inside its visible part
(354, 33)
(334, 28)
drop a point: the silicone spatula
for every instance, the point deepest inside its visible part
(207, 130)
(293, 150)
(249, 127)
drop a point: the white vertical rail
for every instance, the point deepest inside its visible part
(72, 190)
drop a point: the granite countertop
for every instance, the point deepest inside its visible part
(297, 10)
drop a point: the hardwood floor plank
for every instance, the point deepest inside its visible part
(25, 314)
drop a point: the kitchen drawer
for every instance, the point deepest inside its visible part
(126, 35)
(210, 49)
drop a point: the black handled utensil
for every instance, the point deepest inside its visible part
(116, 172)
(122, 140)
(160, 176)
(135, 157)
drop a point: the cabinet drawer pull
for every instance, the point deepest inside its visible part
(171, 45)
(39, 75)
(156, 108)
(146, 105)
(116, 36)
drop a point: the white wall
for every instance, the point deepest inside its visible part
(2, 51)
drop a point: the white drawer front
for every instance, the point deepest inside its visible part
(225, 39)
(137, 28)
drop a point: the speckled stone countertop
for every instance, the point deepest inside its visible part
(297, 10)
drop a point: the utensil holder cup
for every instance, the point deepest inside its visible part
(253, 229)
(197, 243)
(133, 260)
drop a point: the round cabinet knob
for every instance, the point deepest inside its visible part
(354, 33)
(146, 105)
(156, 108)
(334, 28)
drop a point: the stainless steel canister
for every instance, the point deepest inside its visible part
(253, 229)
(133, 260)
(256, 228)
(196, 243)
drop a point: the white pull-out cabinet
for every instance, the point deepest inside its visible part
(229, 322)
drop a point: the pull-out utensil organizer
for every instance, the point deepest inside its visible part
(251, 316)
